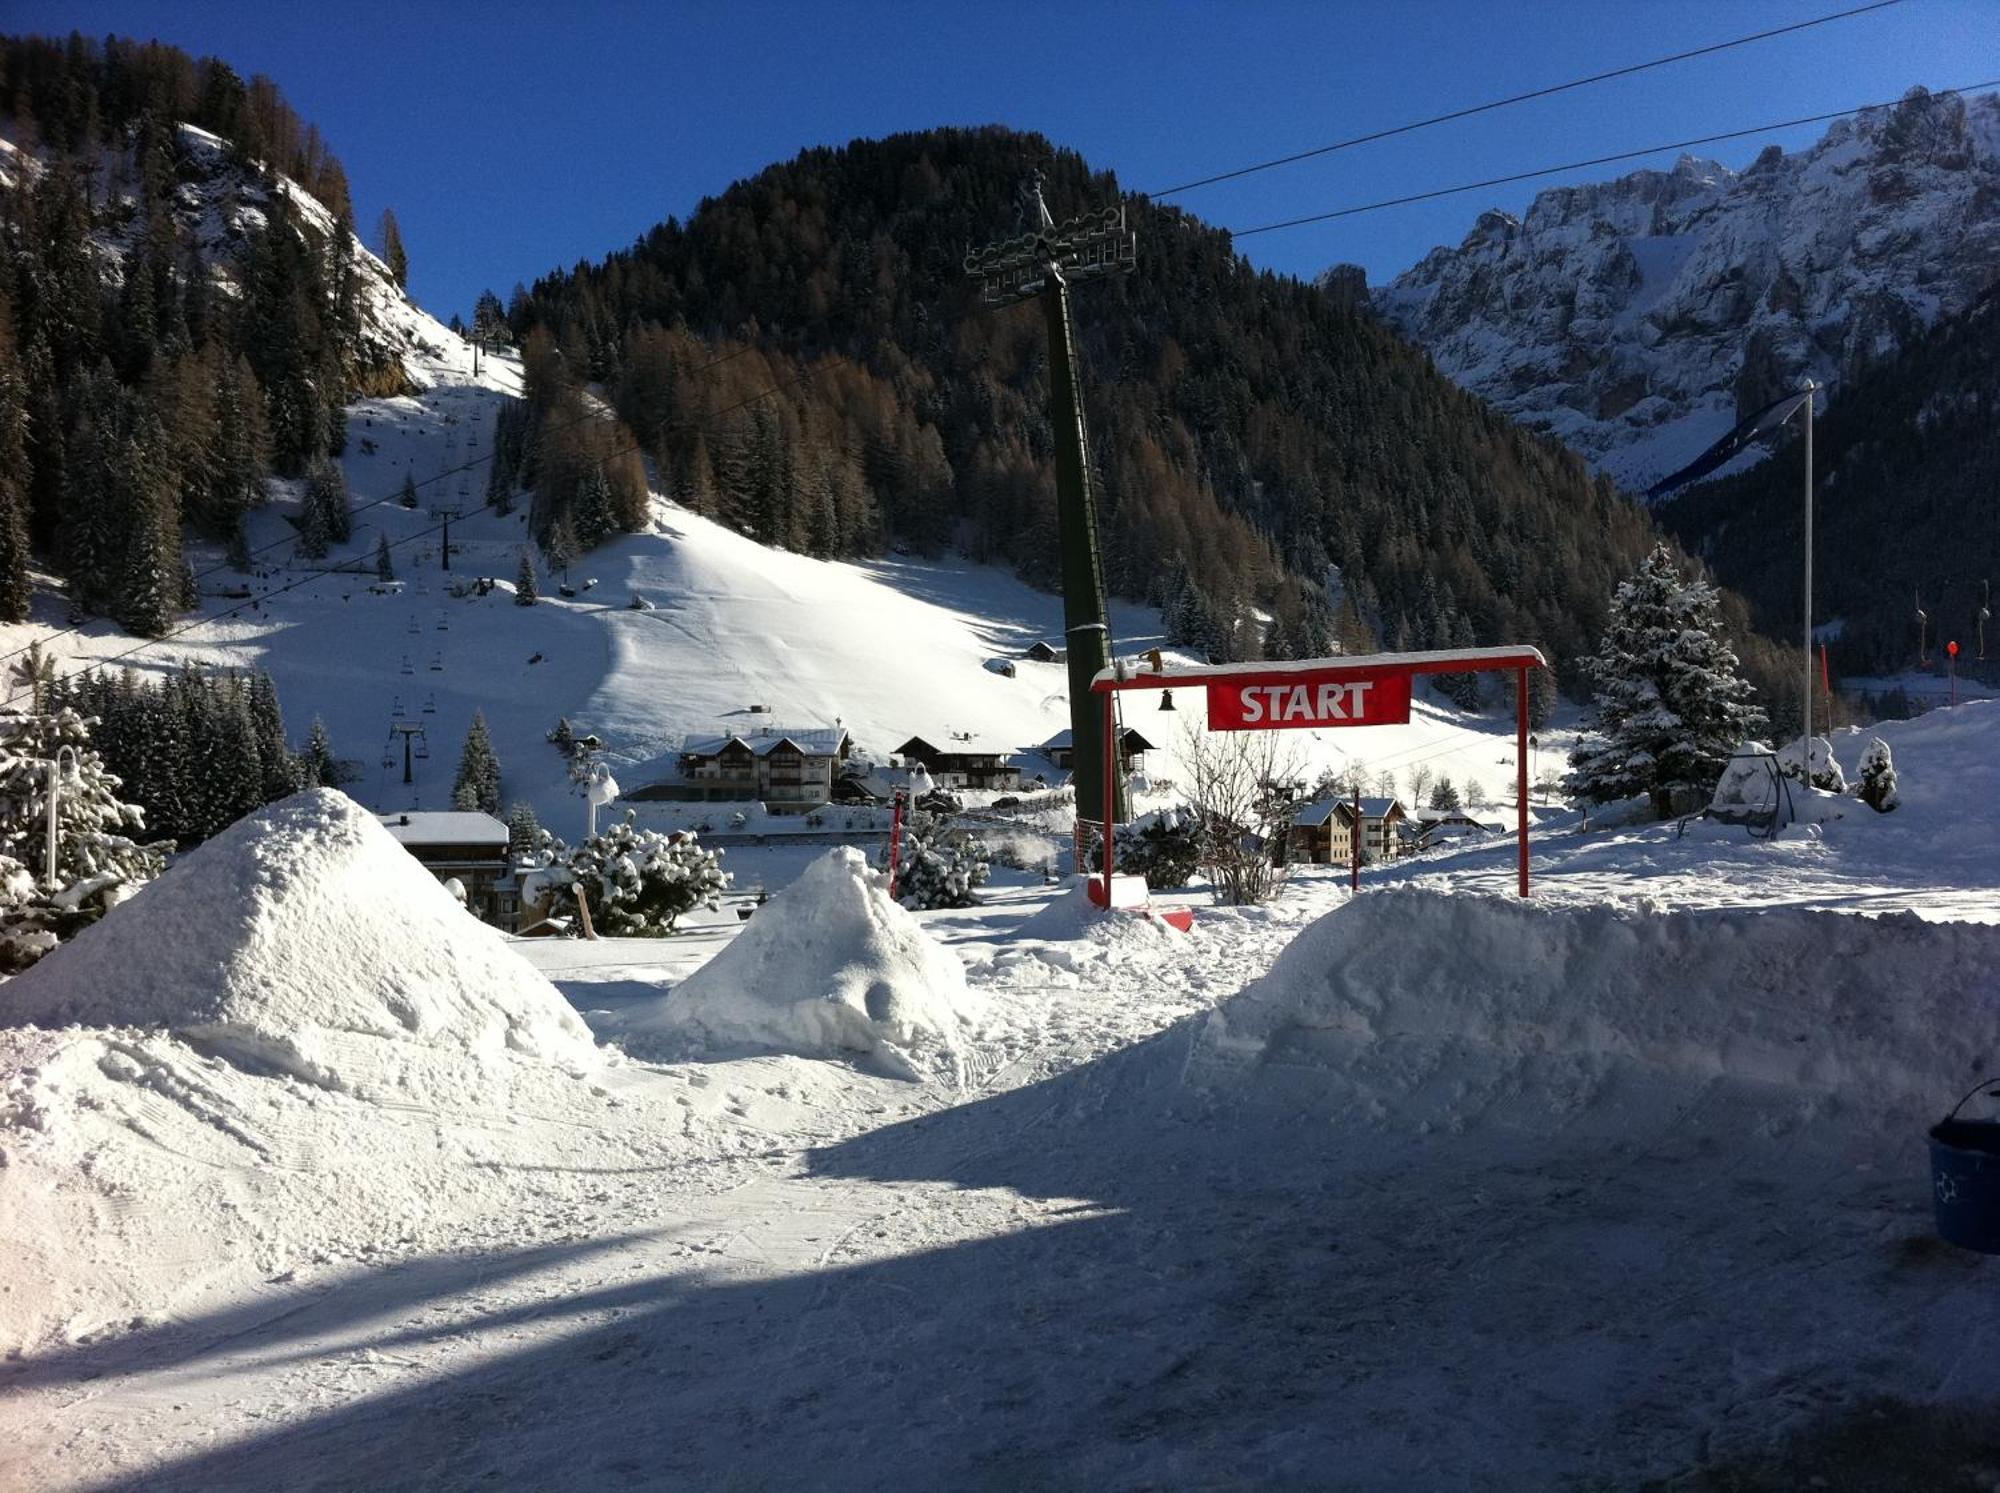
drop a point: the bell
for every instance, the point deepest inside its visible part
(1166, 699)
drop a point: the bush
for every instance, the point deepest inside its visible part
(940, 865)
(640, 881)
(1877, 787)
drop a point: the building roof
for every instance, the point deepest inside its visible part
(1129, 738)
(959, 744)
(1325, 808)
(445, 827)
(814, 741)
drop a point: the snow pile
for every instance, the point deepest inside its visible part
(1421, 1010)
(830, 967)
(1072, 915)
(304, 940)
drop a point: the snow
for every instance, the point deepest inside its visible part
(1623, 316)
(1429, 1188)
(1423, 1011)
(453, 827)
(830, 967)
(303, 940)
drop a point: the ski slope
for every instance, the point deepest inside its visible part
(889, 648)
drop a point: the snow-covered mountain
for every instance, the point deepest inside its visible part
(221, 204)
(1637, 319)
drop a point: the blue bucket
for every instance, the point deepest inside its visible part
(1965, 1178)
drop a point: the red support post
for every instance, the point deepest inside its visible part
(1354, 839)
(1521, 769)
(895, 838)
(1110, 787)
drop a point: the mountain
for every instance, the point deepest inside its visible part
(805, 360)
(1907, 463)
(1638, 319)
(185, 312)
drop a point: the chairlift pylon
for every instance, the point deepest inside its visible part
(1923, 634)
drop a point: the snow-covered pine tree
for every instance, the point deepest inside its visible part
(1670, 704)
(525, 835)
(477, 785)
(320, 767)
(640, 881)
(559, 550)
(941, 865)
(274, 754)
(385, 567)
(95, 849)
(1877, 787)
(525, 594)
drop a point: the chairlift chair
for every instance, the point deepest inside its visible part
(423, 748)
(408, 667)
(430, 705)
(437, 663)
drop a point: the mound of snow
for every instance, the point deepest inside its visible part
(1072, 915)
(1423, 1010)
(305, 940)
(830, 967)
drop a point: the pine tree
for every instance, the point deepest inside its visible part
(477, 785)
(282, 771)
(525, 594)
(560, 549)
(393, 253)
(1670, 705)
(524, 832)
(385, 568)
(320, 766)
(408, 496)
(311, 522)
(15, 591)
(326, 490)
(96, 851)
(1445, 796)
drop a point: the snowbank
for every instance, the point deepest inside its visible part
(1417, 1010)
(830, 967)
(304, 940)
(1072, 915)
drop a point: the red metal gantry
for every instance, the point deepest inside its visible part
(1316, 693)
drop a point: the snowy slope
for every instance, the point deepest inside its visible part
(1639, 318)
(890, 648)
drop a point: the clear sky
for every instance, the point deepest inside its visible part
(514, 137)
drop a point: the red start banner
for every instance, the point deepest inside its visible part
(1314, 700)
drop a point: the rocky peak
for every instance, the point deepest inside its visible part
(1638, 318)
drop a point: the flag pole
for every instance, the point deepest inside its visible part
(1806, 700)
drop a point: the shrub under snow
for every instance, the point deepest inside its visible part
(640, 881)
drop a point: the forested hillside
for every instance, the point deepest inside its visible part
(1260, 445)
(1908, 465)
(178, 321)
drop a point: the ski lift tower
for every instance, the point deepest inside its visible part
(447, 513)
(1042, 263)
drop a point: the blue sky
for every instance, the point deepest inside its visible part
(514, 137)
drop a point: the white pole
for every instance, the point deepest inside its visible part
(1806, 700)
(55, 797)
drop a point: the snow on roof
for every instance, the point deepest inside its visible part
(831, 968)
(963, 744)
(1316, 814)
(1130, 736)
(1324, 809)
(814, 741)
(303, 939)
(444, 827)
